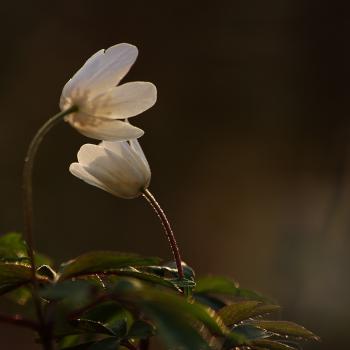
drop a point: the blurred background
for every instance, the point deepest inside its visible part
(248, 142)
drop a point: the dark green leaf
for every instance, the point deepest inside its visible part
(270, 344)
(13, 276)
(252, 295)
(101, 261)
(188, 271)
(175, 330)
(184, 283)
(20, 295)
(171, 302)
(119, 327)
(243, 310)
(69, 341)
(112, 315)
(225, 286)
(90, 326)
(250, 332)
(104, 312)
(170, 271)
(233, 340)
(285, 328)
(145, 276)
(76, 293)
(141, 330)
(209, 300)
(221, 285)
(12, 246)
(177, 319)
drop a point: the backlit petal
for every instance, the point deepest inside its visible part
(123, 101)
(103, 70)
(80, 172)
(103, 128)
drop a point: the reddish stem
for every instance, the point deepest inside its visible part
(167, 228)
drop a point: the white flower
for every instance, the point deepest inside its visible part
(100, 102)
(118, 167)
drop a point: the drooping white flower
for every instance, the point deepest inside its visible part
(118, 167)
(100, 102)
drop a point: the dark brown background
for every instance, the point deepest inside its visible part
(248, 142)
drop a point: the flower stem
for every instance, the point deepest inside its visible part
(167, 228)
(19, 321)
(28, 212)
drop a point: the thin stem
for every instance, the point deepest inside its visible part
(28, 211)
(167, 228)
(19, 321)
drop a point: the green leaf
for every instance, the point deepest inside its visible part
(221, 285)
(13, 276)
(98, 262)
(75, 293)
(233, 340)
(13, 248)
(285, 328)
(184, 283)
(105, 311)
(209, 300)
(89, 326)
(69, 341)
(141, 329)
(175, 317)
(243, 310)
(20, 295)
(176, 331)
(145, 276)
(188, 271)
(250, 332)
(112, 315)
(270, 344)
(225, 286)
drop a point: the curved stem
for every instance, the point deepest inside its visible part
(28, 210)
(167, 228)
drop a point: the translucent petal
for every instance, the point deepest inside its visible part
(117, 175)
(136, 160)
(103, 70)
(102, 128)
(123, 101)
(89, 153)
(80, 172)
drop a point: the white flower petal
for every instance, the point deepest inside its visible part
(88, 153)
(80, 172)
(117, 175)
(113, 166)
(104, 69)
(103, 128)
(123, 101)
(134, 156)
(115, 146)
(135, 146)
